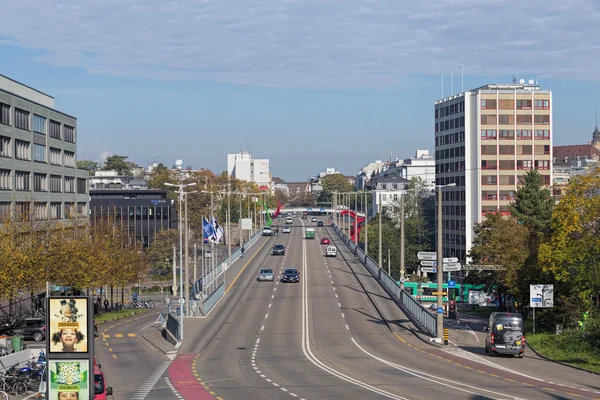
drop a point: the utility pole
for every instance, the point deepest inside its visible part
(174, 271)
(402, 241)
(389, 263)
(240, 223)
(366, 226)
(380, 209)
(187, 262)
(228, 220)
(356, 222)
(195, 263)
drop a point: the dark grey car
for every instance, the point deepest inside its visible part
(278, 250)
(290, 275)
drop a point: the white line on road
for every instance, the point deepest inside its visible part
(147, 386)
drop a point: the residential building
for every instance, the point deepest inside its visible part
(280, 185)
(363, 178)
(572, 160)
(422, 167)
(245, 167)
(112, 180)
(485, 140)
(144, 212)
(388, 191)
(38, 157)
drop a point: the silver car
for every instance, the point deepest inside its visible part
(265, 274)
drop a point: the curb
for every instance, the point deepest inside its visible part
(122, 317)
(561, 362)
(155, 344)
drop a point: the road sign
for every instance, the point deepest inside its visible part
(541, 296)
(402, 271)
(451, 267)
(427, 255)
(450, 259)
(440, 310)
(439, 293)
(431, 270)
(475, 267)
(402, 279)
(429, 263)
(451, 284)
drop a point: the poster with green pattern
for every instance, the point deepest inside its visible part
(68, 380)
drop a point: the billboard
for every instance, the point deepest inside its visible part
(541, 296)
(68, 325)
(246, 223)
(68, 379)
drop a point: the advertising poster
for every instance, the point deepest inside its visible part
(68, 379)
(68, 325)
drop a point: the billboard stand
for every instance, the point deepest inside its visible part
(540, 296)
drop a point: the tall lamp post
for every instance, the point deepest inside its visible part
(186, 289)
(180, 187)
(440, 265)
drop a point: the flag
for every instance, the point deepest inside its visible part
(278, 210)
(264, 187)
(267, 215)
(208, 230)
(218, 231)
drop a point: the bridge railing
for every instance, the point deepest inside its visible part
(424, 320)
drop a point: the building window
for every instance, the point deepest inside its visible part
(81, 210)
(55, 210)
(489, 164)
(4, 210)
(488, 180)
(22, 181)
(40, 183)
(507, 179)
(542, 134)
(39, 153)
(5, 146)
(507, 134)
(506, 149)
(69, 133)
(488, 134)
(542, 164)
(384, 186)
(542, 149)
(69, 210)
(487, 104)
(81, 186)
(69, 184)
(21, 119)
(383, 197)
(506, 164)
(523, 134)
(524, 149)
(55, 158)
(542, 119)
(488, 119)
(39, 124)
(5, 179)
(22, 150)
(523, 104)
(4, 114)
(69, 159)
(487, 149)
(506, 104)
(54, 129)
(542, 104)
(40, 211)
(506, 120)
(523, 164)
(55, 183)
(523, 119)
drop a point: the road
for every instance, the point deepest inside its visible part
(335, 335)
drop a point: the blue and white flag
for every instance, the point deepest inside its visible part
(217, 231)
(208, 230)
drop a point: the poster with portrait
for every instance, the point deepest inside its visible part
(68, 380)
(68, 325)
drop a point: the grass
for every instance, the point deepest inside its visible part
(568, 347)
(112, 315)
(483, 312)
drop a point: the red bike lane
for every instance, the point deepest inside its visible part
(185, 382)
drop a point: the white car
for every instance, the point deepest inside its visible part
(286, 229)
(314, 219)
(331, 251)
(267, 232)
(289, 221)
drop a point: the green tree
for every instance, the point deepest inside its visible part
(119, 164)
(533, 203)
(160, 251)
(90, 166)
(501, 241)
(334, 183)
(161, 175)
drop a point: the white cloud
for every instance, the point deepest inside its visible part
(311, 43)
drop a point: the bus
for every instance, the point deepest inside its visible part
(310, 233)
(424, 291)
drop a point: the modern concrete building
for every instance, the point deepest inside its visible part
(38, 157)
(485, 140)
(245, 167)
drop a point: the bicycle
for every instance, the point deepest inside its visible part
(3, 395)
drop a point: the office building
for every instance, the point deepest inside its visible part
(38, 157)
(144, 212)
(485, 140)
(245, 167)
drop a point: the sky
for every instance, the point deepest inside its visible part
(306, 84)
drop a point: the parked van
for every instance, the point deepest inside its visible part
(331, 251)
(505, 334)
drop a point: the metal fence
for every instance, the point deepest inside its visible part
(173, 325)
(423, 318)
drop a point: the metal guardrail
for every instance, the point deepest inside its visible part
(173, 325)
(425, 320)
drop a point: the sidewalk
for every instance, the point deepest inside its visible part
(159, 337)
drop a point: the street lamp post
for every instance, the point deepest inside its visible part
(180, 187)
(440, 266)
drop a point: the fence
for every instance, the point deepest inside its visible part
(206, 302)
(425, 321)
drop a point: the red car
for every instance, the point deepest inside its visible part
(325, 241)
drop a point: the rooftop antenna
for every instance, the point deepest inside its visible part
(514, 80)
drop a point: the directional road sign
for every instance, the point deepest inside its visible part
(475, 267)
(429, 263)
(440, 310)
(427, 255)
(451, 267)
(451, 284)
(450, 259)
(432, 270)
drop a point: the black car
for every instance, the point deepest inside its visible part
(290, 275)
(278, 250)
(320, 223)
(29, 328)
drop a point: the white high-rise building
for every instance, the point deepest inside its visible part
(245, 167)
(486, 139)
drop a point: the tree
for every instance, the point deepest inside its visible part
(571, 256)
(533, 203)
(119, 164)
(334, 183)
(281, 196)
(501, 241)
(90, 166)
(161, 175)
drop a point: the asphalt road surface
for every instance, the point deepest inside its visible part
(334, 335)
